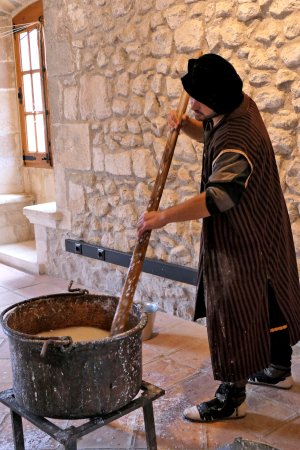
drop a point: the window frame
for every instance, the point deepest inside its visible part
(32, 13)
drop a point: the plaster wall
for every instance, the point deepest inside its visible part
(114, 72)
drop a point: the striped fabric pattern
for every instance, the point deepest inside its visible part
(244, 248)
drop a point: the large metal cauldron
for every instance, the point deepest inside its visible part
(63, 379)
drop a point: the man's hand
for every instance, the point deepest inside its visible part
(191, 127)
(173, 121)
(150, 220)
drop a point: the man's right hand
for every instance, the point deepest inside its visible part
(150, 220)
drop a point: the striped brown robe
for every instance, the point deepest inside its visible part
(242, 250)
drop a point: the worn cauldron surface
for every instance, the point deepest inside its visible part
(73, 379)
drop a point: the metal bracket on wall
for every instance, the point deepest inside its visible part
(166, 270)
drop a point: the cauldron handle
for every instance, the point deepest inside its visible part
(78, 290)
(67, 341)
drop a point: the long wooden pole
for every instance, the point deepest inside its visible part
(138, 256)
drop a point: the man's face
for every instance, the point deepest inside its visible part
(200, 110)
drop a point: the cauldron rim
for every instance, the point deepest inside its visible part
(66, 340)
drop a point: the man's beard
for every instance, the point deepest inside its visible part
(201, 117)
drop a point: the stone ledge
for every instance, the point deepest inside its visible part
(43, 214)
(10, 202)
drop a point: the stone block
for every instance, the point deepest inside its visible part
(283, 141)
(122, 84)
(118, 125)
(213, 36)
(143, 164)
(120, 107)
(126, 214)
(184, 149)
(71, 102)
(269, 99)
(133, 126)
(152, 107)
(285, 119)
(76, 200)
(77, 17)
(233, 33)
(284, 76)
(162, 42)
(189, 36)
(14, 226)
(290, 55)
(224, 8)
(6, 47)
(131, 141)
(180, 255)
(291, 28)
(94, 97)
(267, 31)
(7, 74)
(99, 206)
(175, 16)
(71, 147)
(162, 5)
(140, 85)
(263, 59)
(248, 11)
(282, 8)
(118, 163)
(174, 87)
(59, 58)
(8, 112)
(156, 20)
(11, 180)
(293, 176)
(295, 89)
(122, 8)
(56, 99)
(10, 146)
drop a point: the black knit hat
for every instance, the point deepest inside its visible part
(214, 82)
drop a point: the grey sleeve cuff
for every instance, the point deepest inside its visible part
(228, 181)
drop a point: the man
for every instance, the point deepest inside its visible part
(247, 273)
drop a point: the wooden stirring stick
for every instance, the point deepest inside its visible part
(138, 256)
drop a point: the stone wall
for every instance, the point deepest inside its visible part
(114, 70)
(11, 180)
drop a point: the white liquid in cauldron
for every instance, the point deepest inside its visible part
(77, 333)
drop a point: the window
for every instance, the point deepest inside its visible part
(32, 85)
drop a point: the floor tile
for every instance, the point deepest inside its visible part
(40, 289)
(10, 298)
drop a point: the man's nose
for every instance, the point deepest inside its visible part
(193, 103)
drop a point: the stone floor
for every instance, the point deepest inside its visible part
(177, 360)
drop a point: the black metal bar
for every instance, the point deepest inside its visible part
(17, 429)
(68, 437)
(149, 426)
(7, 398)
(166, 270)
(71, 444)
(29, 158)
